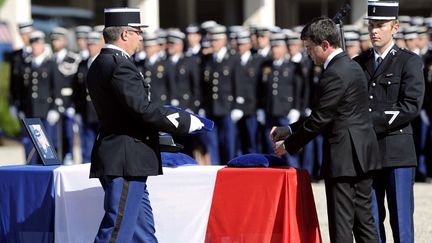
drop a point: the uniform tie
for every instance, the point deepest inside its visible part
(378, 62)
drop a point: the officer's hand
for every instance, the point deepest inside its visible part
(175, 102)
(13, 112)
(293, 116)
(202, 113)
(261, 117)
(195, 124)
(280, 133)
(236, 115)
(70, 112)
(53, 117)
(279, 148)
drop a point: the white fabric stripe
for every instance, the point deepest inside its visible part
(116, 10)
(381, 17)
(385, 4)
(181, 200)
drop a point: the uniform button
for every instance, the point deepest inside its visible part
(215, 81)
(88, 98)
(371, 97)
(148, 73)
(400, 130)
(276, 73)
(215, 89)
(186, 96)
(34, 74)
(370, 110)
(163, 97)
(274, 85)
(147, 138)
(34, 88)
(34, 81)
(388, 82)
(230, 98)
(216, 75)
(26, 75)
(148, 80)
(374, 84)
(275, 79)
(34, 95)
(215, 96)
(275, 92)
(44, 74)
(290, 99)
(49, 100)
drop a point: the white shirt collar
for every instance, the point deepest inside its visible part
(153, 58)
(111, 46)
(278, 62)
(60, 55)
(245, 57)
(90, 60)
(220, 54)
(331, 56)
(264, 51)
(175, 57)
(376, 55)
(37, 61)
(297, 57)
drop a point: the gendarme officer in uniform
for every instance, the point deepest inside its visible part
(396, 89)
(126, 150)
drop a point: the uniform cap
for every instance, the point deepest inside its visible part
(351, 38)
(206, 25)
(190, 29)
(94, 37)
(82, 31)
(243, 37)
(176, 36)
(410, 33)
(25, 27)
(150, 38)
(293, 37)
(37, 35)
(363, 34)
(123, 17)
(262, 31)
(382, 10)
(58, 32)
(417, 20)
(217, 32)
(277, 39)
(99, 28)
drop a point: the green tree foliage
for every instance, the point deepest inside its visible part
(8, 124)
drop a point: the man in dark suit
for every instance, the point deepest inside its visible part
(126, 150)
(396, 89)
(350, 146)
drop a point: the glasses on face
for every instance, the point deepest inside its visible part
(138, 32)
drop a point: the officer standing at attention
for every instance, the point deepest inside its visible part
(17, 58)
(39, 92)
(85, 115)
(126, 150)
(67, 66)
(246, 78)
(218, 97)
(396, 89)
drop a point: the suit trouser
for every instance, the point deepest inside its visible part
(349, 208)
(220, 143)
(128, 215)
(397, 184)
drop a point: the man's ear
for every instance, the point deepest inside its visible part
(124, 35)
(325, 45)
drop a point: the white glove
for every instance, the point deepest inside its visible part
(261, 117)
(293, 116)
(424, 117)
(308, 112)
(202, 113)
(236, 115)
(78, 119)
(70, 112)
(21, 115)
(13, 112)
(53, 117)
(195, 124)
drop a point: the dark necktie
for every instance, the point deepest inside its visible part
(378, 62)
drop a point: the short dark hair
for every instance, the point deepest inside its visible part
(321, 29)
(112, 33)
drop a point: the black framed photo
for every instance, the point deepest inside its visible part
(40, 140)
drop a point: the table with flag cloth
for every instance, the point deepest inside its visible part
(191, 204)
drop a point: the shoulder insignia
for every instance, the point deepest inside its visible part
(393, 51)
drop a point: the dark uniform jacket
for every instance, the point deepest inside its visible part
(81, 97)
(396, 92)
(67, 69)
(187, 82)
(158, 76)
(218, 85)
(281, 88)
(246, 80)
(39, 90)
(427, 101)
(350, 146)
(128, 141)
(17, 61)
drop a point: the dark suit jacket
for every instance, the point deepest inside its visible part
(128, 141)
(350, 146)
(395, 88)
